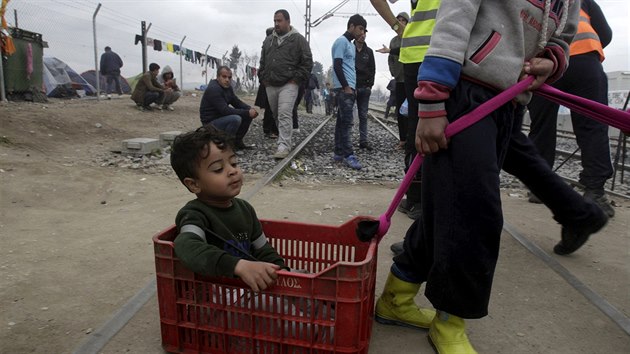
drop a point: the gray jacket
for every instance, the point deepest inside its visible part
(285, 58)
(489, 40)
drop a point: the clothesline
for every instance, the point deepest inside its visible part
(190, 55)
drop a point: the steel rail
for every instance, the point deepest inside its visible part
(621, 320)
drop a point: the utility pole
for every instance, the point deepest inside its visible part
(307, 22)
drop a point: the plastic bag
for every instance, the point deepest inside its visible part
(404, 108)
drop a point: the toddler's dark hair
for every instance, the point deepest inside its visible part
(191, 147)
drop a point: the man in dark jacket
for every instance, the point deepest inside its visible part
(110, 68)
(585, 77)
(366, 69)
(285, 63)
(224, 110)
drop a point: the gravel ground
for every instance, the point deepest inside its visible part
(315, 165)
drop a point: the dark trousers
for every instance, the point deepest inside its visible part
(454, 245)
(585, 77)
(246, 121)
(298, 99)
(113, 78)
(411, 82)
(402, 120)
(308, 100)
(269, 124)
(523, 161)
(151, 97)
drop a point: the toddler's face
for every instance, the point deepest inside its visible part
(219, 178)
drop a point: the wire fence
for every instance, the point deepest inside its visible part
(67, 28)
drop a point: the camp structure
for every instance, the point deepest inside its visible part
(60, 80)
(90, 77)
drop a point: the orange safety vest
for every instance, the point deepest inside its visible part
(586, 39)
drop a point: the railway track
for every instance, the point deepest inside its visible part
(568, 161)
(316, 144)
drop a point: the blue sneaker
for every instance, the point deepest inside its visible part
(352, 162)
(337, 158)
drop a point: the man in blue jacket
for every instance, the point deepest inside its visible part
(110, 68)
(224, 110)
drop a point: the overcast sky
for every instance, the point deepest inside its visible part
(67, 26)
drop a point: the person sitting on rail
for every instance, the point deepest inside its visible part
(221, 108)
(219, 234)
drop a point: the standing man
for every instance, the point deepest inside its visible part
(345, 81)
(415, 37)
(110, 68)
(366, 69)
(396, 70)
(585, 77)
(148, 90)
(215, 108)
(285, 62)
(313, 84)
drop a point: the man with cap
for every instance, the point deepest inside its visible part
(345, 81)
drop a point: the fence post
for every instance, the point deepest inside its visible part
(205, 58)
(97, 73)
(181, 74)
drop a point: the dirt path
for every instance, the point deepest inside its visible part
(76, 241)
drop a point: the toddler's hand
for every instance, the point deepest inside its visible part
(258, 275)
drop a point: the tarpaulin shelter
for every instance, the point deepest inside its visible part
(90, 77)
(62, 81)
(133, 81)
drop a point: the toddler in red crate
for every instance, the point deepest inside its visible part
(219, 234)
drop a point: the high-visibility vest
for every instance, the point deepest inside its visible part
(417, 34)
(586, 39)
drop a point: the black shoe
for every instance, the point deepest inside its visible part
(599, 197)
(147, 108)
(413, 211)
(366, 146)
(397, 248)
(239, 145)
(403, 207)
(574, 237)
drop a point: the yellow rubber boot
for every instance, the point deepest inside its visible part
(396, 305)
(447, 335)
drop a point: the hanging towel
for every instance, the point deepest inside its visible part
(138, 39)
(157, 45)
(149, 42)
(169, 47)
(175, 49)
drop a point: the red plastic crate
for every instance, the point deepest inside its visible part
(328, 310)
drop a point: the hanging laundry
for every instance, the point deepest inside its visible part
(157, 45)
(169, 47)
(138, 39)
(198, 57)
(149, 42)
(175, 48)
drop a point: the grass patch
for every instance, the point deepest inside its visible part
(5, 140)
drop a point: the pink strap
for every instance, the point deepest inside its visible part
(600, 112)
(457, 126)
